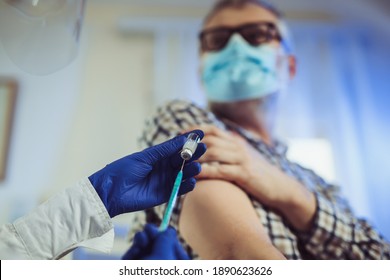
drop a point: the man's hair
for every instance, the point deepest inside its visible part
(238, 4)
(223, 4)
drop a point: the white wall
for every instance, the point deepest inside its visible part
(41, 123)
(114, 97)
(73, 122)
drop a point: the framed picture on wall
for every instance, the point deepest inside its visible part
(8, 91)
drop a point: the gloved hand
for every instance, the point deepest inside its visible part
(145, 179)
(150, 244)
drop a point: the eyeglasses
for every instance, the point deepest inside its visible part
(256, 34)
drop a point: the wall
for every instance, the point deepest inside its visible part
(71, 123)
(41, 123)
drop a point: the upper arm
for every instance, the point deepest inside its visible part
(219, 221)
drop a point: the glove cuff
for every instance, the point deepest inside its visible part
(102, 189)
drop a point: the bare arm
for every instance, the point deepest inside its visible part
(322, 220)
(219, 222)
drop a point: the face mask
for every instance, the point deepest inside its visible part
(243, 72)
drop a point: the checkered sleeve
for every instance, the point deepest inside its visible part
(173, 118)
(337, 234)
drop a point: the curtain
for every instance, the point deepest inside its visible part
(341, 93)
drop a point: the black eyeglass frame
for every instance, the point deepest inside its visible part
(231, 30)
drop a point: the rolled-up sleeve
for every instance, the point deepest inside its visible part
(337, 234)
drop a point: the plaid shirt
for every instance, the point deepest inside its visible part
(336, 232)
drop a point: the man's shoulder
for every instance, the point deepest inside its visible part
(180, 105)
(172, 118)
(184, 110)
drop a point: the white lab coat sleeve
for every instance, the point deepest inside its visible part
(74, 217)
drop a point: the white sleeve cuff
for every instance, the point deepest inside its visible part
(72, 218)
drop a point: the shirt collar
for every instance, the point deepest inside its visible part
(277, 146)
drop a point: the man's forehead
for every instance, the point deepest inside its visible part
(235, 16)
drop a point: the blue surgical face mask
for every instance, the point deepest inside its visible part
(243, 72)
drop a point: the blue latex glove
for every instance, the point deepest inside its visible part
(145, 179)
(150, 244)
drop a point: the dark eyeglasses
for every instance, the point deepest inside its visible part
(256, 34)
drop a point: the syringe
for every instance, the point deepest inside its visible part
(172, 200)
(190, 146)
(187, 152)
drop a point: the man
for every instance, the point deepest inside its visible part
(271, 208)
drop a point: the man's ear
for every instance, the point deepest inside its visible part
(292, 66)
